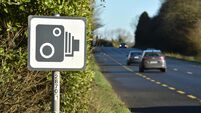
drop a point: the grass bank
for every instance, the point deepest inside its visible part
(196, 59)
(103, 98)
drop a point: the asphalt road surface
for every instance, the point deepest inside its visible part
(176, 91)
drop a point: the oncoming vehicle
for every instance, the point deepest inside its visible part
(152, 59)
(134, 57)
(123, 45)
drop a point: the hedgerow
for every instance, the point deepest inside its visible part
(27, 91)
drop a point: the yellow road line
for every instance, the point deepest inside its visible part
(148, 78)
(171, 88)
(158, 82)
(192, 97)
(144, 76)
(164, 85)
(180, 92)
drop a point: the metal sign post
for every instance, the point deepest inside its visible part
(56, 89)
(56, 92)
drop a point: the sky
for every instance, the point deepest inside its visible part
(121, 13)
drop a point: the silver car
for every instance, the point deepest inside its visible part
(134, 57)
(152, 59)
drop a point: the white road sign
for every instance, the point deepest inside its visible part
(56, 43)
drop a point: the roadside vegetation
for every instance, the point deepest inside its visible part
(104, 42)
(24, 91)
(176, 28)
(103, 98)
(183, 57)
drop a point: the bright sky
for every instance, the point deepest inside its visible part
(121, 13)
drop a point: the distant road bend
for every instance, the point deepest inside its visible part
(176, 91)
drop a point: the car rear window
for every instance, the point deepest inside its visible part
(136, 53)
(152, 54)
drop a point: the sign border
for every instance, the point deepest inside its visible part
(55, 69)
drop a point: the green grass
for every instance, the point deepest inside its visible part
(182, 57)
(103, 98)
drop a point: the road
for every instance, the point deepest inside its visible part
(176, 91)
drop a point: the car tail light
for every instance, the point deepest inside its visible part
(162, 58)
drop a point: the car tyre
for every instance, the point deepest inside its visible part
(128, 63)
(141, 69)
(163, 70)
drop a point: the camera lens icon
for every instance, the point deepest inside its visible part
(56, 32)
(46, 56)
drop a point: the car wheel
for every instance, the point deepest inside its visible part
(128, 63)
(163, 70)
(141, 69)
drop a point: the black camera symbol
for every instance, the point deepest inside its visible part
(53, 43)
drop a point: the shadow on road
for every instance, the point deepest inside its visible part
(169, 109)
(118, 72)
(153, 71)
(109, 64)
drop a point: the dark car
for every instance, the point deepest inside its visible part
(134, 57)
(123, 45)
(152, 59)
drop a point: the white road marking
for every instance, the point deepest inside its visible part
(190, 73)
(175, 69)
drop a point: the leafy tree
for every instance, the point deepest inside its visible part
(173, 29)
(141, 30)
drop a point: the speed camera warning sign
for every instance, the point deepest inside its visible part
(56, 43)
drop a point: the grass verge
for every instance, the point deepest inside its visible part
(103, 98)
(196, 59)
